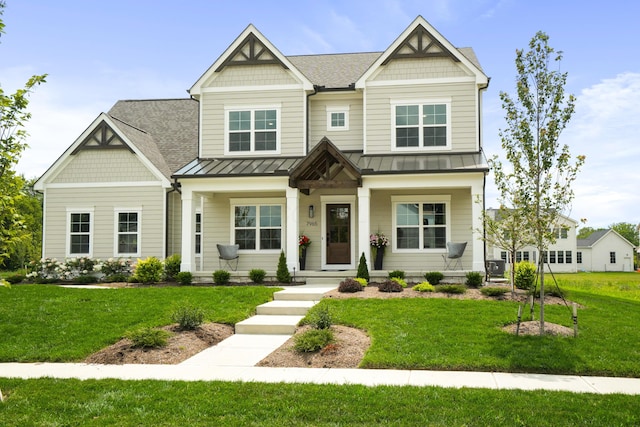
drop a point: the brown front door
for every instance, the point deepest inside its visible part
(338, 234)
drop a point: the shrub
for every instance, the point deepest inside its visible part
(424, 287)
(434, 277)
(494, 291)
(185, 278)
(474, 279)
(313, 340)
(15, 278)
(172, 266)
(148, 270)
(320, 317)
(221, 277)
(525, 275)
(451, 289)
(112, 267)
(363, 271)
(257, 275)
(390, 286)
(362, 281)
(46, 270)
(75, 267)
(148, 337)
(550, 291)
(85, 279)
(189, 318)
(396, 273)
(399, 281)
(350, 285)
(282, 273)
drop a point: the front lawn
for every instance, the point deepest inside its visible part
(54, 324)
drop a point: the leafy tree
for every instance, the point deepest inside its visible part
(628, 231)
(13, 117)
(540, 171)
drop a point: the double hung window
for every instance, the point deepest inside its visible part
(424, 125)
(80, 228)
(128, 232)
(252, 130)
(421, 224)
(258, 227)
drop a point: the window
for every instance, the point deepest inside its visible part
(338, 118)
(544, 257)
(127, 232)
(252, 130)
(560, 257)
(422, 125)
(612, 257)
(503, 256)
(198, 234)
(80, 226)
(420, 225)
(518, 256)
(567, 257)
(552, 257)
(258, 227)
(579, 257)
(525, 256)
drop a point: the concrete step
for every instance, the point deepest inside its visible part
(285, 307)
(268, 325)
(302, 293)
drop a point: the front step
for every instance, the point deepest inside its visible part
(284, 307)
(269, 325)
(302, 294)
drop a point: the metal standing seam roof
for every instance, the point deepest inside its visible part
(368, 165)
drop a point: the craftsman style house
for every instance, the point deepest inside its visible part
(269, 147)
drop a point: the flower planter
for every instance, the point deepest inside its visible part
(377, 263)
(303, 258)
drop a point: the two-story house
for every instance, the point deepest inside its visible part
(269, 147)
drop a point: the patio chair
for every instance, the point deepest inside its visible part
(228, 255)
(454, 255)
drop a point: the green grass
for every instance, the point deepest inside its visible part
(49, 402)
(618, 285)
(50, 323)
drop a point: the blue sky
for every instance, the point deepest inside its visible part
(98, 52)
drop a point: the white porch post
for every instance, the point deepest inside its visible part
(293, 214)
(477, 203)
(364, 224)
(188, 217)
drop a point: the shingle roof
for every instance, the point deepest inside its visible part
(592, 238)
(368, 165)
(165, 130)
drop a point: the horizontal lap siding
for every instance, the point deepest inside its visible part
(103, 201)
(174, 220)
(292, 129)
(104, 166)
(380, 117)
(344, 140)
(461, 228)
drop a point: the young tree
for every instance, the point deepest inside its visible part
(541, 170)
(13, 117)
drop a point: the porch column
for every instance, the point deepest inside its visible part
(293, 214)
(188, 217)
(477, 204)
(364, 224)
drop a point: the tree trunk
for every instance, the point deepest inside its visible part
(541, 294)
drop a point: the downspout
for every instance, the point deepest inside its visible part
(315, 91)
(484, 177)
(174, 187)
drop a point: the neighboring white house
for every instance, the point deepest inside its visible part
(561, 256)
(270, 146)
(605, 250)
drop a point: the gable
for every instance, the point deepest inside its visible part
(251, 51)
(103, 137)
(93, 166)
(420, 43)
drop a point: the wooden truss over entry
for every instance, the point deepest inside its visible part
(323, 168)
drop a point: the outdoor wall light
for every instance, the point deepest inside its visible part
(312, 211)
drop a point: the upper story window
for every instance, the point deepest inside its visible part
(252, 130)
(422, 125)
(337, 118)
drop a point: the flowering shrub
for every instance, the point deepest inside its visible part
(304, 241)
(45, 270)
(112, 267)
(75, 267)
(378, 240)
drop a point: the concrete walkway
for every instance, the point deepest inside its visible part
(234, 359)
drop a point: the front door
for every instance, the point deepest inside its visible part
(338, 218)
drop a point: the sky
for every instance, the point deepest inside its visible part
(98, 52)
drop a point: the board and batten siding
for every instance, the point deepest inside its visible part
(460, 227)
(103, 201)
(104, 166)
(350, 139)
(379, 114)
(291, 103)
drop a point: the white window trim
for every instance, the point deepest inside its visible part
(395, 200)
(70, 211)
(253, 109)
(197, 233)
(338, 109)
(420, 103)
(257, 203)
(116, 212)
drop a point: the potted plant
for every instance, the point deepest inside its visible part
(378, 241)
(303, 244)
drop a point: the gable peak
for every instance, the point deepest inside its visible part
(420, 43)
(251, 51)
